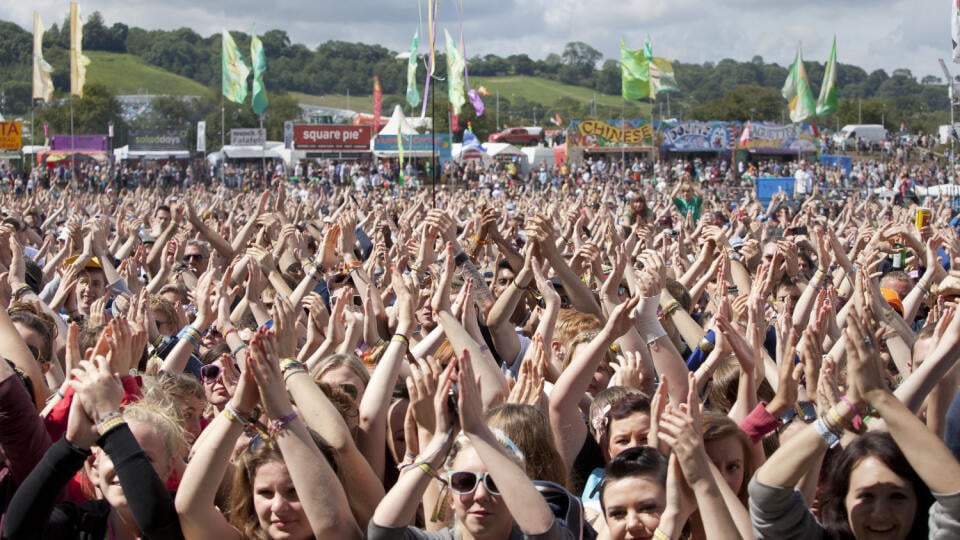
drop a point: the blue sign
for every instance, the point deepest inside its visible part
(417, 145)
(767, 186)
(837, 161)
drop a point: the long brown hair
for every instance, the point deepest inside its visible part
(529, 429)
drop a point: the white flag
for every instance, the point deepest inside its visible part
(201, 136)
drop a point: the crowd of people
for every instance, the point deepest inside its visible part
(591, 350)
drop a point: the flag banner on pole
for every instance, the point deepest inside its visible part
(744, 135)
(42, 81)
(202, 136)
(455, 84)
(662, 78)
(413, 94)
(955, 28)
(796, 90)
(235, 70)
(259, 60)
(635, 73)
(78, 62)
(377, 103)
(828, 102)
(401, 180)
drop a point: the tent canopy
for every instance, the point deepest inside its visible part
(398, 124)
(463, 154)
(124, 152)
(502, 149)
(271, 150)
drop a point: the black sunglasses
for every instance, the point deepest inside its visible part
(191, 256)
(465, 482)
(210, 373)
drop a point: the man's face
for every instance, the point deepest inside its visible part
(162, 217)
(92, 285)
(195, 258)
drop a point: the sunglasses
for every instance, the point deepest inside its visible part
(191, 256)
(211, 373)
(465, 482)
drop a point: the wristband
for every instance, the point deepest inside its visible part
(110, 422)
(857, 420)
(401, 339)
(647, 322)
(660, 535)
(281, 424)
(828, 436)
(231, 413)
(229, 331)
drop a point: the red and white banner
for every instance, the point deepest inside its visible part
(331, 137)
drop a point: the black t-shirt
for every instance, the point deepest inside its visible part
(589, 458)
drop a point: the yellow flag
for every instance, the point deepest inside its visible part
(78, 62)
(42, 82)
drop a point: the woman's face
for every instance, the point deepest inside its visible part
(220, 389)
(34, 342)
(192, 409)
(633, 506)
(627, 432)
(727, 454)
(601, 377)
(879, 503)
(347, 380)
(152, 445)
(480, 512)
(275, 501)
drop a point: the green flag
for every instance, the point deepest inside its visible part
(235, 71)
(796, 90)
(635, 73)
(648, 49)
(828, 103)
(413, 95)
(456, 87)
(259, 60)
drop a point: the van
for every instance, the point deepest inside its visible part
(871, 134)
(945, 133)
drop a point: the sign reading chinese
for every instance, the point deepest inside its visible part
(599, 133)
(248, 137)
(11, 135)
(331, 137)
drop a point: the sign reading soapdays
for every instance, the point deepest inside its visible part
(331, 137)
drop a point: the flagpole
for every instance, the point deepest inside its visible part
(263, 151)
(73, 157)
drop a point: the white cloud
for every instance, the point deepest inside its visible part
(873, 34)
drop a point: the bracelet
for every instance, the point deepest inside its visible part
(191, 334)
(229, 331)
(668, 310)
(288, 362)
(232, 414)
(281, 424)
(857, 421)
(431, 472)
(291, 372)
(237, 349)
(923, 288)
(706, 345)
(401, 339)
(516, 285)
(479, 241)
(660, 535)
(827, 434)
(109, 422)
(24, 288)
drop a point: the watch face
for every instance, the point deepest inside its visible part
(788, 416)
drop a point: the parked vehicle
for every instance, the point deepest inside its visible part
(521, 136)
(871, 134)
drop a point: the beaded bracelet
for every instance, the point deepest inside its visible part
(109, 422)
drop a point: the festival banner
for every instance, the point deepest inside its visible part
(155, 140)
(42, 81)
(78, 62)
(334, 137)
(777, 138)
(97, 143)
(697, 136)
(234, 70)
(610, 133)
(11, 135)
(248, 137)
(259, 60)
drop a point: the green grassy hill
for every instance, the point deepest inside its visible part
(534, 89)
(127, 74)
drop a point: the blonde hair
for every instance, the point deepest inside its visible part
(529, 428)
(164, 418)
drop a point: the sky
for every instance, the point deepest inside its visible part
(872, 34)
